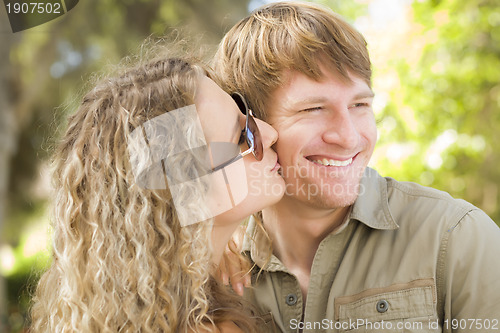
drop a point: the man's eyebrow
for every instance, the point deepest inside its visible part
(365, 94)
(306, 101)
(320, 99)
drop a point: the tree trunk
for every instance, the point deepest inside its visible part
(8, 141)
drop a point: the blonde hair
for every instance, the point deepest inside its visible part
(254, 53)
(121, 260)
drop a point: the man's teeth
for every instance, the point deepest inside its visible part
(333, 162)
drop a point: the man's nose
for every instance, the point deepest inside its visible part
(341, 130)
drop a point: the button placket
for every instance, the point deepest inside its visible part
(290, 299)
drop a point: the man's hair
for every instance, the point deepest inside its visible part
(254, 54)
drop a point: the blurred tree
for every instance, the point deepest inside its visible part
(448, 102)
(7, 147)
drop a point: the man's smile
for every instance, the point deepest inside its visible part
(329, 161)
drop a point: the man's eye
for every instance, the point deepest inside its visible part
(317, 108)
(358, 105)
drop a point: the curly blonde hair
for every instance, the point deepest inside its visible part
(121, 260)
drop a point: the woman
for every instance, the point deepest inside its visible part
(126, 257)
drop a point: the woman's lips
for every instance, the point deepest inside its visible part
(277, 166)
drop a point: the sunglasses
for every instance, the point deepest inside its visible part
(250, 134)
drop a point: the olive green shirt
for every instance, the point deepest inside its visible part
(407, 259)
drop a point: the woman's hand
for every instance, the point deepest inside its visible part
(233, 267)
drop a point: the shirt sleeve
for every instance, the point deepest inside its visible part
(472, 275)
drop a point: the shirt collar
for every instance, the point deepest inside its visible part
(372, 205)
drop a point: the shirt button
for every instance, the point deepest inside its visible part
(291, 299)
(382, 306)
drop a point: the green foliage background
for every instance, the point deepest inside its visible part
(446, 110)
(438, 119)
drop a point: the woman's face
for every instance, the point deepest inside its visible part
(247, 185)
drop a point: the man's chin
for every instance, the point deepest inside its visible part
(333, 202)
(326, 196)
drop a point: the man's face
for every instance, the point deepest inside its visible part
(327, 134)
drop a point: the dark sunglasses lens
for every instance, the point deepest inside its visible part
(252, 132)
(240, 102)
(253, 135)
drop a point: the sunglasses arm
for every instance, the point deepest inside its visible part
(225, 164)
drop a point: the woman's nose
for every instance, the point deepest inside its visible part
(268, 133)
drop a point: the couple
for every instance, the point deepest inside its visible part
(351, 250)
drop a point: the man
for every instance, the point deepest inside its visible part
(351, 250)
